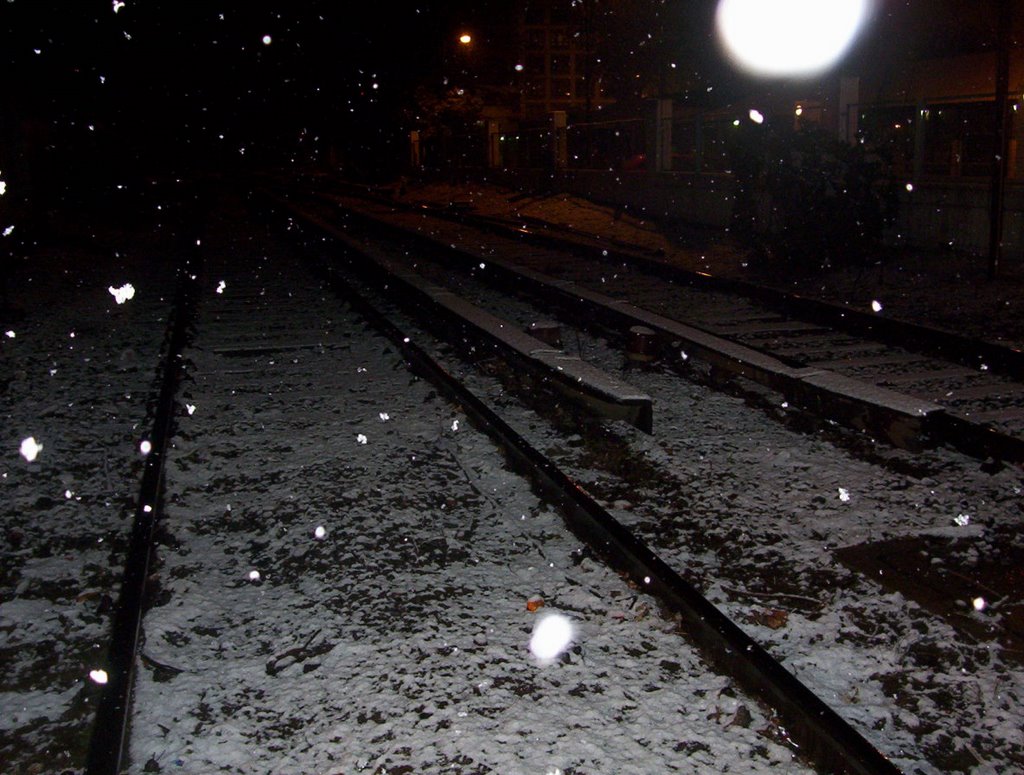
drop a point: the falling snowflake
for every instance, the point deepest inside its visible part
(320, 532)
(963, 520)
(979, 603)
(221, 286)
(9, 231)
(99, 676)
(145, 447)
(844, 494)
(254, 575)
(384, 416)
(10, 334)
(30, 449)
(190, 408)
(267, 40)
(361, 438)
(876, 306)
(122, 294)
(455, 425)
(551, 636)
(118, 5)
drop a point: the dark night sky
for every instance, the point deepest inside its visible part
(173, 78)
(177, 82)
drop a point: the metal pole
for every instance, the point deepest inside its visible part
(1001, 141)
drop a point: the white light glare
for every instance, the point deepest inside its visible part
(788, 37)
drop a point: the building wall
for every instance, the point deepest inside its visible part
(556, 54)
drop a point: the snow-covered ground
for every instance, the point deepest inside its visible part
(348, 576)
(397, 639)
(77, 369)
(755, 512)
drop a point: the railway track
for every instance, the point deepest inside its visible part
(337, 589)
(622, 482)
(909, 384)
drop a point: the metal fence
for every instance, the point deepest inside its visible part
(527, 147)
(934, 140)
(607, 145)
(949, 139)
(701, 142)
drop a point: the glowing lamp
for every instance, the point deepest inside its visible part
(778, 38)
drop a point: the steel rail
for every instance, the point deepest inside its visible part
(901, 419)
(820, 735)
(942, 426)
(939, 343)
(109, 740)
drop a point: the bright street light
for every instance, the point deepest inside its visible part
(788, 37)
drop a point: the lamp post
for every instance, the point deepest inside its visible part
(1001, 140)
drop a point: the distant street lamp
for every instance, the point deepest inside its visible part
(465, 39)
